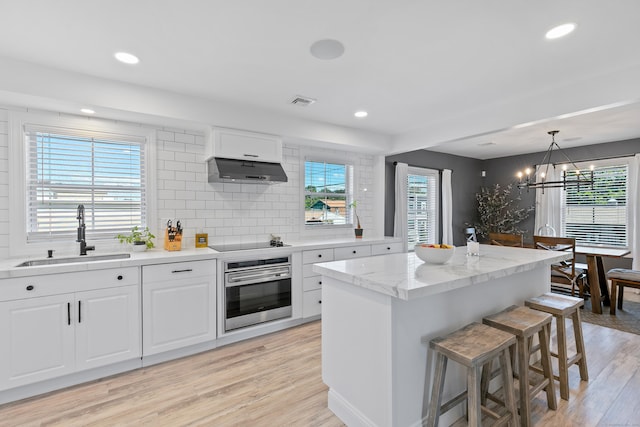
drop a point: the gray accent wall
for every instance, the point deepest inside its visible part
(466, 181)
(503, 170)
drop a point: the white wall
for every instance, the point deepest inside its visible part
(227, 212)
(4, 184)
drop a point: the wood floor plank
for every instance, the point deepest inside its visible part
(276, 380)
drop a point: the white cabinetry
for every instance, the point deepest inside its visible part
(312, 282)
(236, 144)
(179, 301)
(50, 327)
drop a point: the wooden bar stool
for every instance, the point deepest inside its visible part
(473, 346)
(561, 307)
(621, 277)
(525, 323)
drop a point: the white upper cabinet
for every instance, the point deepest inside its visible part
(237, 144)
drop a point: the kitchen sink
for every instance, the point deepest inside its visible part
(54, 261)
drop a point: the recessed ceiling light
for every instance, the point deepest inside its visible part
(361, 114)
(87, 111)
(127, 58)
(560, 31)
(327, 49)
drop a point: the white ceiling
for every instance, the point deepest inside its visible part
(430, 73)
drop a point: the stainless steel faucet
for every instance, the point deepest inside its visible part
(81, 232)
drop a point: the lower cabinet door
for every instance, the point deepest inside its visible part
(37, 336)
(312, 303)
(178, 313)
(107, 326)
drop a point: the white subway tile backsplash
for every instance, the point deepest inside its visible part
(229, 212)
(164, 135)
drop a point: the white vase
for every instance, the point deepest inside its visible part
(139, 246)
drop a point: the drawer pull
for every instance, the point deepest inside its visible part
(319, 255)
(354, 252)
(319, 301)
(320, 282)
(186, 270)
(388, 248)
(120, 277)
(30, 287)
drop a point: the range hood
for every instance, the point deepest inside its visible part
(248, 171)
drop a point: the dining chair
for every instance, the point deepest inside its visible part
(565, 272)
(506, 239)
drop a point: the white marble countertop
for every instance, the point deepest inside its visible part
(8, 267)
(406, 277)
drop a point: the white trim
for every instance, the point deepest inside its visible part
(17, 175)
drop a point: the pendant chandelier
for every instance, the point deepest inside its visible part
(576, 177)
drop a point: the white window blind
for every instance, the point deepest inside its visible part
(598, 215)
(327, 193)
(422, 206)
(67, 167)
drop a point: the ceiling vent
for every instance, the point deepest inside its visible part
(302, 101)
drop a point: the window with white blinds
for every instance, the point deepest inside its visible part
(422, 206)
(68, 167)
(327, 193)
(599, 215)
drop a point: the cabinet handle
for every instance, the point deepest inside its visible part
(319, 255)
(319, 301)
(388, 248)
(251, 155)
(319, 282)
(354, 252)
(79, 312)
(68, 313)
(30, 287)
(186, 270)
(120, 277)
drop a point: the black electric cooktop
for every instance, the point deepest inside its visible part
(246, 246)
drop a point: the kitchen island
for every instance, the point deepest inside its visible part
(379, 313)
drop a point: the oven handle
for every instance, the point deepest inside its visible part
(239, 279)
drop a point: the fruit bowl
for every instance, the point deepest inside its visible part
(434, 254)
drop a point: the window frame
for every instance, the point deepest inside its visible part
(349, 191)
(19, 169)
(433, 173)
(619, 161)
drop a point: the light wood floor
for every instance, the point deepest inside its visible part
(275, 380)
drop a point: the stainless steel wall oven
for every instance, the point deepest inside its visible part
(256, 291)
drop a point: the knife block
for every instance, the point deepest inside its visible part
(172, 245)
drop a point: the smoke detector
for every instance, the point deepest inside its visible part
(302, 101)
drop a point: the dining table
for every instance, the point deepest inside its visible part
(596, 275)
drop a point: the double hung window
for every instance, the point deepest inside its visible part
(66, 167)
(327, 193)
(422, 206)
(599, 215)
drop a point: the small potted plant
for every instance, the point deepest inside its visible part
(358, 230)
(141, 240)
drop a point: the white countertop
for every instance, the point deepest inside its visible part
(406, 277)
(8, 267)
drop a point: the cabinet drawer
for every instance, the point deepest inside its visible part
(386, 248)
(53, 284)
(312, 303)
(179, 270)
(352, 252)
(312, 283)
(320, 255)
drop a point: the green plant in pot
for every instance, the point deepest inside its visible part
(358, 230)
(140, 239)
(499, 211)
